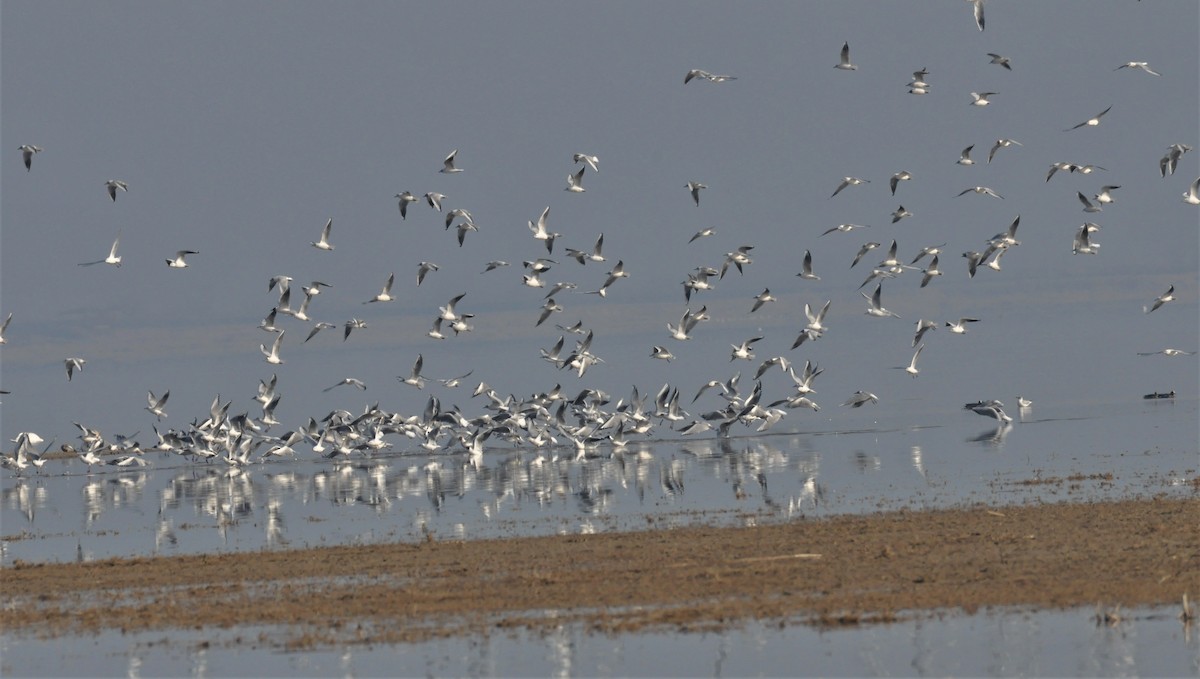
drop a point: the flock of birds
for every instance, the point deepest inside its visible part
(585, 419)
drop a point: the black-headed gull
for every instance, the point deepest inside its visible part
(448, 164)
(179, 261)
(323, 243)
(1000, 60)
(844, 62)
(112, 185)
(876, 307)
(860, 397)
(849, 181)
(591, 161)
(73, 364)
(405, 198)
(1139, 65)
(1168, 296)
(981, 98)
(27, 151)
(1090, 122)
(1192, 195)
(113, 258)
(272, 355)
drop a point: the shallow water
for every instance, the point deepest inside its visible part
(1069, 453)
(1149, 642)
(1079, 452)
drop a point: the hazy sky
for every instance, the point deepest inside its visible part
(241, 127)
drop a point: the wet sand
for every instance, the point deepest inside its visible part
(839, 571)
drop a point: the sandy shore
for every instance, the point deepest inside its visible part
(838, 571)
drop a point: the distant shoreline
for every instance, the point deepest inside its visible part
(842, 570)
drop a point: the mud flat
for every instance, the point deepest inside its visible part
(838, 571)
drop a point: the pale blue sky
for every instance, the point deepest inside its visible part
(242, 127)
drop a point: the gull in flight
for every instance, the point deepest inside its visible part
(358, 384)
(1167, 352)
(540, 233)
(272, 355)
(964, 158)
(494, 264)
(974, 259)
(386, 294)
(705, 75)
(743, 350)
(1166, 165)
(435, 200)
(960, 327)
(448, 164)
(1002, 144)
(323, 243)
(4, 327)
(876, 308)
(849, 181)
(27, 151)
(1083, 244)
(991, 408)
(1140, 65)
(926, 251)
(405, 198)
(414, 378)
(596, 255)
(844, 64)
(1192, 195)
(901, 176)
(685, 326)
(1087, 204)
(929, 272)
(977, 7)
(447, 313)
(661, 353)
(845, 228)
(73, 364)
(318, 328)
(980, 98)
(762, 298)
(911, 368)
(575, 181)
(112, 185)
(436, 331)
(424, 268)
(923, 326)
(807, 272)
(702, 233)
(591, 161)
(1168, 296)
(112, 258)
(860, 397)
(1055, 167)
(1105, 197)
(178, 262)
(981, 190)
(900, 213)
(1090, 122)
(867, 247)
(815, 328)
(550, 307)
(352, 324)
(1002, 61)
(694, 188)
(617, 271)
(155, 404)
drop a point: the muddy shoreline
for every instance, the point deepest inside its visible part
(836, 571)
